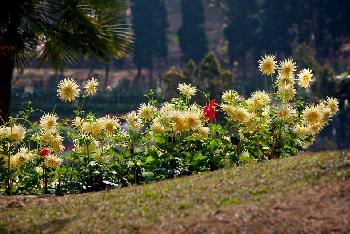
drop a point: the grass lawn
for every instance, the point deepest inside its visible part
(306, 193)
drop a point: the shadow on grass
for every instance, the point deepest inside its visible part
(53, 226)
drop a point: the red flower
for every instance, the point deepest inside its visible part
(209, 111)
(45, 151)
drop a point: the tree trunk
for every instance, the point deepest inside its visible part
(6, 71)
(139, 70)
(106, 76)
(151, 78)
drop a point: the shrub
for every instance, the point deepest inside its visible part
(158, 140)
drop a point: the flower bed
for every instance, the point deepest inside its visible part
(159, 140)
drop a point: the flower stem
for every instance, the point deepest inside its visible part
(45, 180)
(9, 182)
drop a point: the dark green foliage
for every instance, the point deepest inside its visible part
(276, 21)
(325, 24)
(119, 100)
(305, 56)
(208, 76)
(241, 28)
(276, 26)
(66, 30)
(210, 67)
(149, 25)
(185, 156)
(57, 33)
(171, 79)
(193, 41)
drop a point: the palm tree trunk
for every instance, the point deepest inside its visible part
(6, 72)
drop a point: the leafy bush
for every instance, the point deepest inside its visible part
(159, 140)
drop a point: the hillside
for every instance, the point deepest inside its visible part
(306, 193)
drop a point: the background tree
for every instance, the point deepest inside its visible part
(193, 41)
(149, 25)
(241, 29)
(208, 76)
(214, 78)
(171, 79)
(210, 69)
(191, 71)
(332, 26)
(276, 21)
(57, 32)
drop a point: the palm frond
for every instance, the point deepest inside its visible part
(67, 29)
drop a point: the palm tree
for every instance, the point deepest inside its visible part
(58, 32)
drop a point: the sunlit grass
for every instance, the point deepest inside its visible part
(138, 207)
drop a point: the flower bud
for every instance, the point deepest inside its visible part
(45, 151)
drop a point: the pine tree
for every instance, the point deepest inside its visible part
(142, 23)
(214, 80)
(322, 24)
(240, 31)
(276, 22)
(149, 25)
(191, 72)
(332, 27)
(171, 79)
(160, 25)
(193, 41)
(208, 77)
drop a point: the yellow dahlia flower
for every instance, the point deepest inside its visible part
(304, 78)
(133, 121)
(312, 115)
(203, 131)
(53, 139)
(57, 147)
(16, 133)
(51, 161)
(187, 90)
(77, 122)
(94, 128)
(286, 93)
(4, 132)
(16, 161)
(267, 64)
(25, 154)
(286, 113)
(192, 120)
(109, 124)
(91, 86)
(333, 104)
(178, 122)
(315, 128)
(302, 130)
(157, 128)
(228, 109)
(287, 68)
(325, 111)
(285, 80)
(146, 111)
(258, 100)
(237, 113)
(48, 122)
(229, 96)
(68, 90)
